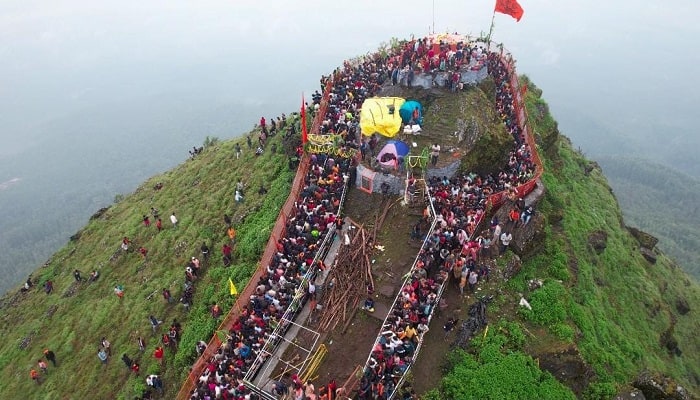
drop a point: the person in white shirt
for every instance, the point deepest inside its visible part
(434, 154)
(506, 237)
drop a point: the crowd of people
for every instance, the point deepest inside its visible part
(453, 251)
(313, 217)
(363, 78)
(430, 56)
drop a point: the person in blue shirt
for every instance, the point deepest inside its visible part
(369, 305)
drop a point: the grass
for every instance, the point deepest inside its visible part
(494, 370)
(620, 304)
(200, 192)
(613, 306)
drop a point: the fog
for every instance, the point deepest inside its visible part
(96, 97)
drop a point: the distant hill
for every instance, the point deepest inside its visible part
(661, 201)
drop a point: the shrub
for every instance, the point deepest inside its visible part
(210, 141)
(515, 334)
(548, 304)
(563, 331)
(500, 376)
(600, 390)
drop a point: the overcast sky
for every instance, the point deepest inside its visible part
(60, 56)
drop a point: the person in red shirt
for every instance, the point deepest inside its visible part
(513, 217)
(125, 243)
(166, 340)
(158, 354)
(226, 249)
(159, 224)
(166, 295)
(34, 375)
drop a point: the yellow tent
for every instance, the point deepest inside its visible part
(381, 115)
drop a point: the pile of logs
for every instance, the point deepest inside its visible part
(351, 275)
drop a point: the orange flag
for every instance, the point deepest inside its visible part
(304, 133)
(509, 7)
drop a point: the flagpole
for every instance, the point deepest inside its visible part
(488, 38)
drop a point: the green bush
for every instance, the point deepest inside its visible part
(600, 390)
(548, 304)
(563, 331)
(558, 268)
(495, 374)
(139, 386)
(432, 394)
(515, 334)
(454, 358)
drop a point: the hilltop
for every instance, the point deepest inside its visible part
(604, 313)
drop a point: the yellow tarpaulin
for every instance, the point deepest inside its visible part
(381, 115)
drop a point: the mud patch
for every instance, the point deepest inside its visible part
(569, 368)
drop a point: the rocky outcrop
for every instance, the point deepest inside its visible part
(99, 213)
(569, 368)
(682, 306)
(76, 236)
(598, 240)
(648, 254)
(644, 239)
(668, 341)
(529, 239)
(512, 267)
(660, 387)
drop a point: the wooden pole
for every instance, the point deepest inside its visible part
(488, 38)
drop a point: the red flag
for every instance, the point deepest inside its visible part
(304, 133)
(509, 7)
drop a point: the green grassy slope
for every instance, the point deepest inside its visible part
(72, 320)
(610, 309)
(617, 303)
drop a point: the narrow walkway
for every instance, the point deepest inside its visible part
(264, 380)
